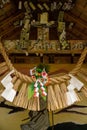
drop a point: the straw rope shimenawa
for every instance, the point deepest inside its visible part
(56, 98)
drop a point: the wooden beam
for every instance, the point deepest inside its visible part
(71, 35)
(73, 18)
(11, 19)
(10, 31)
(12, 35)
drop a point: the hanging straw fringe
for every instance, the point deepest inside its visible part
(58, 95)
(52, 102)
(18, 98)
(57, 89)
(84, 90)
(34, 104)
(63, 91)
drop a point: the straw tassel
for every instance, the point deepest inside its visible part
(63, 88)
(52, 102)
(58, 95)
(21, 96)
(25, 103)
(17, 84)
(84, 91)
(34, 104)
(16, 88)
(18, 98)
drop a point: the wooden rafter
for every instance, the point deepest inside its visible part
(73, 18)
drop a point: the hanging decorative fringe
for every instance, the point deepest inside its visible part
(62, 90)
(52, 102)
(20, 98)
(58, 95)
(34, 104)
(84, 90)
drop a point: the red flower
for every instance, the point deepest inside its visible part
(44, 74)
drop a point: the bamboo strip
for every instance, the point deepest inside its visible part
(58, 95)
(3, 70)
(52, 99)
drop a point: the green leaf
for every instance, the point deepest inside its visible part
(30, 90)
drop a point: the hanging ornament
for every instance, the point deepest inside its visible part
(40, 75)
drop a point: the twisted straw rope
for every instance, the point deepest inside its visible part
(80, 62)
(56, 79)
(9, 64)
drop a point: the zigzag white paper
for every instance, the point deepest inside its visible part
(9, 94)
(76, 83)
(71, 97)
(6, 81)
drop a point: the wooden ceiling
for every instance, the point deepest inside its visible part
(75, 18)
